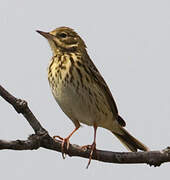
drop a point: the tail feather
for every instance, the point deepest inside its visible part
(130, 142)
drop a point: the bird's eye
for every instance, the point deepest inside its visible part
(63, 35)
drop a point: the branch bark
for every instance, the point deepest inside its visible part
(41, 138)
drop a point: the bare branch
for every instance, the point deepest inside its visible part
(21, 107)
(20, 144)
(42, 139)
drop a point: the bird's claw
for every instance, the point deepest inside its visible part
(64, 141)
(92, 150)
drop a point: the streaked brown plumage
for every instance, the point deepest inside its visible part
(81, 91)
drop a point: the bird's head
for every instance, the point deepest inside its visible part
(63, 38)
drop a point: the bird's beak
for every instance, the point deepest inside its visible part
(46, 35)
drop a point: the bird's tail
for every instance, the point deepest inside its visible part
(130, 142)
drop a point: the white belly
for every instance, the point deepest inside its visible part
(75, 106)
(80, 108)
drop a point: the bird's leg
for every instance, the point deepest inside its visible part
(65, 141)
(93, 146)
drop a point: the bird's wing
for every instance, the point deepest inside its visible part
(102, 84)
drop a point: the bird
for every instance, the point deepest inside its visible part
(81, 91)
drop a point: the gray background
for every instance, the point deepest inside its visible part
(129, 42)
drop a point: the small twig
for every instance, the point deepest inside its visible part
(41, 138)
